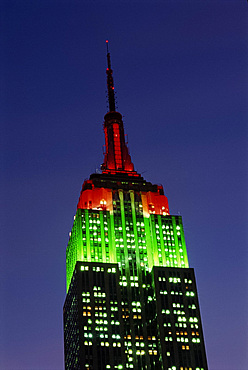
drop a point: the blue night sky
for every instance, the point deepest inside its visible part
(180, 72)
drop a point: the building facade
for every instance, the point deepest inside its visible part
(131, 297)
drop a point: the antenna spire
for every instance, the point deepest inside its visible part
(117, 158)
(110, 83)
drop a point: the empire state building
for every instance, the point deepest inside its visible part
(131, 296)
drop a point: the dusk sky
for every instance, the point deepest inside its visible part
(180, 73)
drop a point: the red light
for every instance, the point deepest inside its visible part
(106, 41)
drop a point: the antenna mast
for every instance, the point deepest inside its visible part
(110, 83)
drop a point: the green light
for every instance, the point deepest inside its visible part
(107, 236)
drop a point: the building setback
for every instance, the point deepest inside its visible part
(131, 297)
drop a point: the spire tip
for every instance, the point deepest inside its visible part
(110, 83)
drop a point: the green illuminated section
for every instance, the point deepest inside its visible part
(168, 243)
(125, 236)
(90, 240)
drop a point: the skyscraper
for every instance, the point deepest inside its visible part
(131, 297)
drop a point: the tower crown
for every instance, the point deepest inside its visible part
(117, 158)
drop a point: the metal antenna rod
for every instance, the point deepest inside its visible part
(110, 83)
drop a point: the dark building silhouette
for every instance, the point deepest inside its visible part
(131, 297)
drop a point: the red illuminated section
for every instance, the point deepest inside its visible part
(95, 198)
(117, 161)
(117, 146)
(117, 158)
(154, 203)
